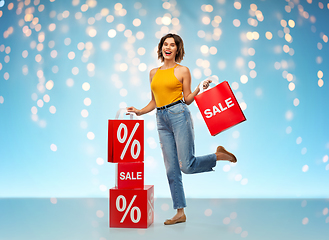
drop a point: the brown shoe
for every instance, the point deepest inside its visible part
(223, 150)
(174, 221)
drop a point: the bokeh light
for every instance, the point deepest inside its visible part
(53, 147)
(305, 221)
(86, 86)
(244, 79)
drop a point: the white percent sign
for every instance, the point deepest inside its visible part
(122, 139)
(150, 201)
(132, 211)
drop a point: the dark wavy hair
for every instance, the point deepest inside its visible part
(179, 43)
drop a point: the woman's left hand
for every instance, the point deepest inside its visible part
(206, 84)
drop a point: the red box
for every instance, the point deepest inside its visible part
(219, 108)
(130, 175)
(125, 141)
(132, 208)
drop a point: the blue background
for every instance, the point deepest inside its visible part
(273, 146)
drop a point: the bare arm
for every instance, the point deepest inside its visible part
(187, 93)
(150, 106)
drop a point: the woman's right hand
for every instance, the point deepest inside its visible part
(134, 110)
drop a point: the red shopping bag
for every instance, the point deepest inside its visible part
(219, 108)
(125, 140)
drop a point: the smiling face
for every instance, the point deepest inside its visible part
(169, 49)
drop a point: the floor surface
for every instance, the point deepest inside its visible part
(206, 219)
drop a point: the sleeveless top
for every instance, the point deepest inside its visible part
(166, 87)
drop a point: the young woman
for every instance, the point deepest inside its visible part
(170, 84)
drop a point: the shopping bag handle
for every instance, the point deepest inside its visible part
(214, 79)
(121, 112)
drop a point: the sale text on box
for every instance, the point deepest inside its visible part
(130, 175)
(125, 140)
(132, 208)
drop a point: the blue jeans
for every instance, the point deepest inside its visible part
(176, 136)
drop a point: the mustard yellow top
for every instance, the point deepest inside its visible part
(165, 87)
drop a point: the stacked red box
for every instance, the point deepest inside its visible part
(131, 202)
(130, 175)
(132, 208)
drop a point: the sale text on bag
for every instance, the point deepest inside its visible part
(209, 113)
